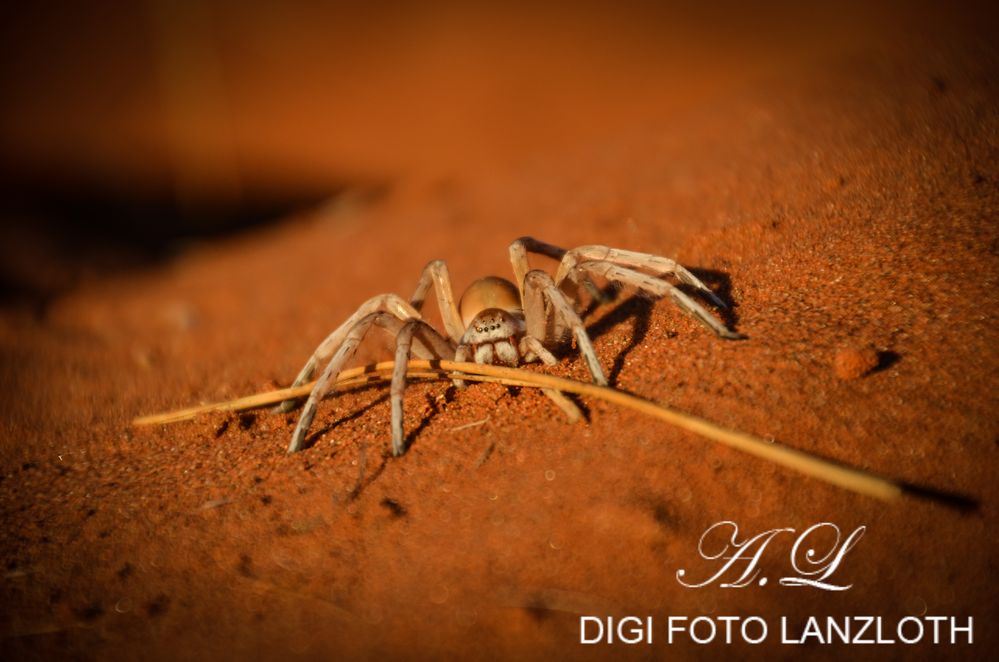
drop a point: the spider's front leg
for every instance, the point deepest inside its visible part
(412, 336)
(434, 274)
(518, 260)
(389, 303)
(539, 289)
(351, 338)
(518, 257)
(532, 347)
(429, 345)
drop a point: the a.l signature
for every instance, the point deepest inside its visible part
(811, 568)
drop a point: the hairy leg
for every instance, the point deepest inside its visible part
(539, 288)
(382, 303)
(529, 345)
(351, 339)
(657, 287)
(657, 264)
(462, 355)
(436, 274)
(429, 345)
(518, 257)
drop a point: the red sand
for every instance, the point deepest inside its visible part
(847, 203)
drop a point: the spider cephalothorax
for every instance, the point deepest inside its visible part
(493, 337)
(497, 321)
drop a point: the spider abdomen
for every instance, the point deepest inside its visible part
(488, 293)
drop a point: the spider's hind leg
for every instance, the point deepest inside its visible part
(657, 287)
(632, 260)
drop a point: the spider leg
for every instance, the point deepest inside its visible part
(352, 338)
(462, 355)
(538, 288)
(518, 257)
(383, 302)
(530, 345)
(430, 345)
(436, 274)
(635, 260)
(658, 287)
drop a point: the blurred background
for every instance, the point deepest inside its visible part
(128, 128)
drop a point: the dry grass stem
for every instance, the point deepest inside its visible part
(852, 479)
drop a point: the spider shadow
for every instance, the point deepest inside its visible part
(584, 410)
(961, 502)
(410, 439)
(721, 283)
(362, 464)
(311, 439)
(363, 480)
(639, 308)
(636, 307)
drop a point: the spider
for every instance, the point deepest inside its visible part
(497, 321)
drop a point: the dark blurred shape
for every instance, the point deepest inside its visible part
(126, 126)
(52, 233)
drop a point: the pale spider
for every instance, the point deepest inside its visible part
(496, 321)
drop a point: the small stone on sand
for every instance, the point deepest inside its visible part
(855, 362)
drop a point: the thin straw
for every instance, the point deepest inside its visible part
(852, 479)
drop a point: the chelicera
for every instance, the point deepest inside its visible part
(497, 321)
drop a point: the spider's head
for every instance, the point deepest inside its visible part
(493, 336)
(494, 324)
